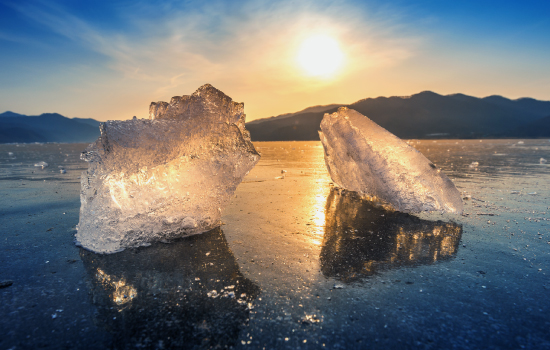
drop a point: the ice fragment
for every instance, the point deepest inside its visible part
(164, 177)
(41, 165)
(361, 156)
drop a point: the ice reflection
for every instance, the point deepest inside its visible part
(361, 239)
(123, 293)
(186, 294)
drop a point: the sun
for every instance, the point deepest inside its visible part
(320, 56)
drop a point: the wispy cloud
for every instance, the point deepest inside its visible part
(256, 40)
(248, 47)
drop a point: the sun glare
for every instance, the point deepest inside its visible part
(320, 56)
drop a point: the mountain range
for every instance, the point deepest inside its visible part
(47, 127)
(421, 116)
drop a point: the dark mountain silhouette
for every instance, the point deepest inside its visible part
(539, 107)
(19, 134)
(536, 129)
(47, 127)
(11, 114)
(313, 109)
(88, 121)
(424, 115)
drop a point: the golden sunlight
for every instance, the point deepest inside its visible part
(320, 56)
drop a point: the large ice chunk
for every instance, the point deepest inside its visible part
(164, 177)
(362, 156)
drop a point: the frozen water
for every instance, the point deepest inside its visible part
(542, 161)
(41, 165)
(164, 177)
(361, 156)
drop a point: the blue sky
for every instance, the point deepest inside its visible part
(110, 59)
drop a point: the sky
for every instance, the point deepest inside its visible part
(110, 59)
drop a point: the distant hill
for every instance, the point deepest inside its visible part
(313, 109)
(47, 127)
(11, 114)
(88, 121)
(423, 115)
(536, 129)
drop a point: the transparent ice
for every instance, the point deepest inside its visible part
(164, 177)
(41, 164)
(363, 157)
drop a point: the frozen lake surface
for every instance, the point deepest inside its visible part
(296, 263)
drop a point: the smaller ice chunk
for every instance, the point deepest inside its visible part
(363, 157)
(474, 165)
(41, 165)
(542, 161)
